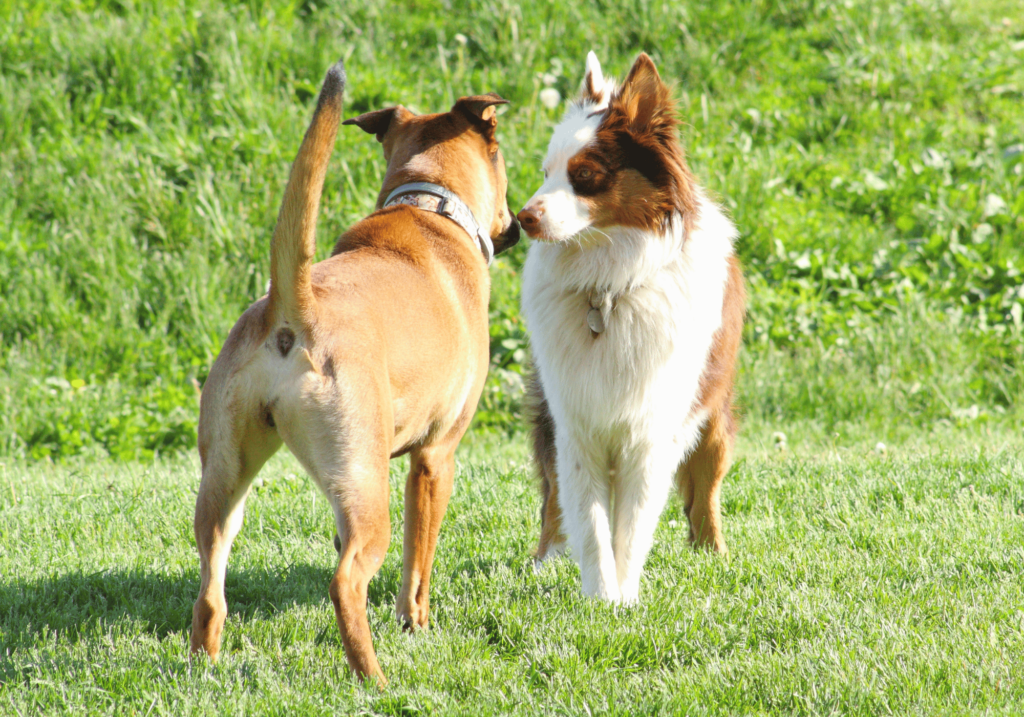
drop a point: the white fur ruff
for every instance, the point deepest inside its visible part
(624, 403)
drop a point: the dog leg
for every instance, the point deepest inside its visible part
(699, 480)
(345, 445)
(427, 490)
(642, 486)
(584, 497)
(227, 473)
(552, 540)
(360, 502)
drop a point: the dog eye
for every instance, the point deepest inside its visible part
(584, 173)
(545, 173)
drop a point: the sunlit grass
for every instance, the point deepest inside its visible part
(871, 154)
(857, 583)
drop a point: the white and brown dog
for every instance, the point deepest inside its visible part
(635, 300)
(378, 351)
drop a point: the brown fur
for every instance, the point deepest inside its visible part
(543, 434)
(380, 350)
(699, 478)
(639, 172)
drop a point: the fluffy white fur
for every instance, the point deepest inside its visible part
(624, 403)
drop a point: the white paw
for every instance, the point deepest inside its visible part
(630, 598)
(607, 593)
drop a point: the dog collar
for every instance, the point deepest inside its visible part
(435, 198)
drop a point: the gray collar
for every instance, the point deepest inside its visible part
(435, 198)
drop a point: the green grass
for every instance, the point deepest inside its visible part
(857, 584)
(871, 153)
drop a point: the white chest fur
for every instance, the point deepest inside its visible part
(642, 374)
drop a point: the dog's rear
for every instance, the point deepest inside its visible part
(237, 427)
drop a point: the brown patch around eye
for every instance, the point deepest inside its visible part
(644, 179)
(615, 193)
(631, 200)
(587, 175)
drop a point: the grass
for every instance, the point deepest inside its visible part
(870, 152)
(857, 583)
(872, 155)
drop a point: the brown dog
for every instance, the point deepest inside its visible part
(378, 351)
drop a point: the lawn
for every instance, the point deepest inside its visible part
(871, 154)
(858, 583)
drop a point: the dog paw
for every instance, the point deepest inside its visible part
(629, 597)
(413, 618)
(552, 551)
(604, 593)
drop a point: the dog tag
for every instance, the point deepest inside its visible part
(600, 307)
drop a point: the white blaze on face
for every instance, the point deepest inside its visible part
(563, 214)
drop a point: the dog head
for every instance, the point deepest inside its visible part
(614, 160)
(457, 149)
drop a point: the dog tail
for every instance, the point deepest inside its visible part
(294, 243)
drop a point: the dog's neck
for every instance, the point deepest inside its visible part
(440, 200)
(614, 260)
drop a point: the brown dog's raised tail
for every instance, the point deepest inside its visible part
(294, 243)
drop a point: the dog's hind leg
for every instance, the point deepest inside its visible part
(345, 445)
(230, 462)
(359, 497)
(699, 480)
(552, 539)
(427, 490)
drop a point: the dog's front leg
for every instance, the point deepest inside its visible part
(584, 496)
(427, 490)
(642, 487)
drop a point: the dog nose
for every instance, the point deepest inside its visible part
(529, 218)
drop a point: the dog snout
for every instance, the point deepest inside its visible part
(529, 218)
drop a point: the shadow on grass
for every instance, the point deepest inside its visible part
(83, 604)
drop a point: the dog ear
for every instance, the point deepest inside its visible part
(595, 89)
(644, 99)
(642, 117)
(479, 109)
(376, 122)
(508, 238)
